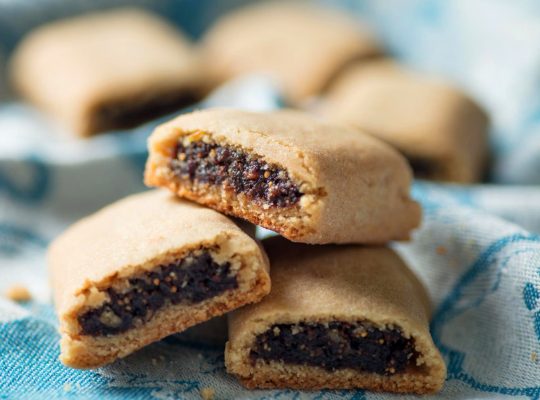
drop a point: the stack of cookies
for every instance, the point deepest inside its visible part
(323, 305)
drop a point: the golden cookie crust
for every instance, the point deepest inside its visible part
(132, 236)
(423, 118)
(328, 283)
(356, 188)
(74, 68)
(300, 46)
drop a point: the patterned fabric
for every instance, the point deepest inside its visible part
(478, 250)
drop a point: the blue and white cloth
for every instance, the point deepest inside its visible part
(478, 250)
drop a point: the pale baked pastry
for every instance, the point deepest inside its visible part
(310, 181)
(106, 70)
(299, 45)
(338, 317)
(442, 132)
(146, 267)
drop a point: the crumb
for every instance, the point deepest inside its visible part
(207, 393)
(534, 356)
(18, 293)
(441, 250)
(67, 387)
(154, 361)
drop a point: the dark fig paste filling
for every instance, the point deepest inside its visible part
(194, 278)
(130, 113)
(423, 168)
(359, 346)
(210, 163)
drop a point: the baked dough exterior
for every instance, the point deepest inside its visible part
(71, 68)
(356, 187)
(135, 235)
(345, 283)
(300, 46)
(420, 116)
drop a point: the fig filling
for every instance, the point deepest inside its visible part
(360, 346)
(423, 168)
(194, 278)
(130, 113)
(233, 169)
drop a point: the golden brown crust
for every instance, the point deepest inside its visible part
(300, 46)
(356, 189)
(131, 237)
(336, 283)
(313, 378)
(425, 119)
(239, 206)
(122, 58)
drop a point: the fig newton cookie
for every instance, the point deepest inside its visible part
(301, 46)
(442, 132)
(310, 181)
(146, 267)
(338, 317)
(106, 70)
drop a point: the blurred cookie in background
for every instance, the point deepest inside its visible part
(442, 132)
(106, 70)
(299, 45)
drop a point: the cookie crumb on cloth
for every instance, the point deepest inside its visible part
(441, 250)
(18, 293)
(208, 393)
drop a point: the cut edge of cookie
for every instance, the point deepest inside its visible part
(292, 212)
(132, 109)
(425, 374)
(108, 338)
